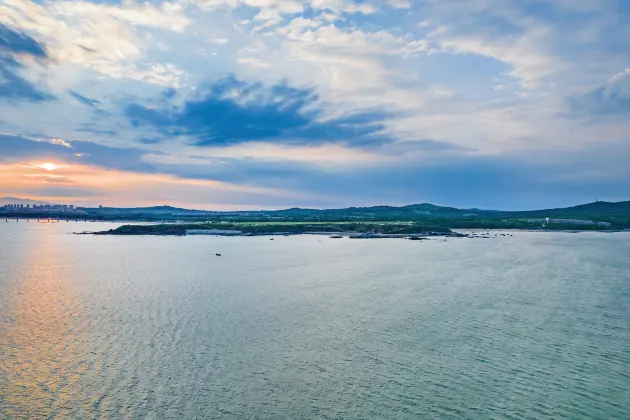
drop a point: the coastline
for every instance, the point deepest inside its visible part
(418, 236)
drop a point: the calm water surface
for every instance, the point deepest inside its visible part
(534, 326)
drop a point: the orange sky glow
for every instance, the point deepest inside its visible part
(59, 182)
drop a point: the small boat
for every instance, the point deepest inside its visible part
(218, 255)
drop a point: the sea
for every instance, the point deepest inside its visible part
(530, 326)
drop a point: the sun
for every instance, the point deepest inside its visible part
(49, 166)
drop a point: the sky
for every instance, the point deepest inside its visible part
(258, 104)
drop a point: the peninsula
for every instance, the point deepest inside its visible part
(359, 230)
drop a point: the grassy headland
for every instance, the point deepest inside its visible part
(281, 228)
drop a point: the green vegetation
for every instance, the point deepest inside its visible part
(174, 230)
(280, 228)
(379, 219)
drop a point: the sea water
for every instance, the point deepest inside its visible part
(530, 326)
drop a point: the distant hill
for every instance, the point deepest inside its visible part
(15, 200)
(414, 210)
(599, 209)
(596, 209)
(596, 215)
(424, 211)
(419, 211)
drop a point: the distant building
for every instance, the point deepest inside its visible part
(56, 208)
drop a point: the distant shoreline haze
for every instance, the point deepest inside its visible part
(597, 206)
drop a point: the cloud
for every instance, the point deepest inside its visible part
(13, 42)
(78, 181)
(83, 99)
(254, 62)
(274, 175)
(168, 15)
(101, 37)
(272, 9)
(61, 142)
(51, 178)
(150, 140)
(19, 149)
(92, 128)
(16, 46)
(351, 68)
(230, 111)
(14, 87)
(510, 181)
(609, 99)
(400, 4)
(507, 37)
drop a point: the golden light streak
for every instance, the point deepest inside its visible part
(49, 166)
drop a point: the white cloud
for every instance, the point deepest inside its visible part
(400, 4)
(276, 8)
(168, 16)
(253, 61)
(349, 67)
(221, 41)
(524, 53)
(101, 37)
(620, 77)
(330, 155)
(61, 142)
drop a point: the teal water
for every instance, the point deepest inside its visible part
(534, 326)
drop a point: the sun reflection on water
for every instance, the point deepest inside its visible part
(41, 356)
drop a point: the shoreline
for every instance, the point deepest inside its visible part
(341, 235)
(491, 233)
(379, 227)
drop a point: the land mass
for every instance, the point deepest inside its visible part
(354, 230)
(412, 219)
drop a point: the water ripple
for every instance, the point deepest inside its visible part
(535, 326)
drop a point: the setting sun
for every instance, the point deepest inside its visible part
(49, 166)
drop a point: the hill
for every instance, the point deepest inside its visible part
(598, 208)
(598, 215)
(15, 200)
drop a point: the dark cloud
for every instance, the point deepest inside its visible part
(230, 111)
(603, 101)
(151, 140)
(13, 45)
(14, 87)
(13, 42)
(84, 99)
